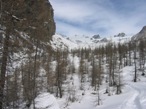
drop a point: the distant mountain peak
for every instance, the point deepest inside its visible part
(120, 35)
(143, 30)
(140, 35)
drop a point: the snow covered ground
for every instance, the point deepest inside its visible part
(133, 95)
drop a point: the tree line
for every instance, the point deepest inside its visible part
(25, 25)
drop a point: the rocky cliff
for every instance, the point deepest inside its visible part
(33, 17)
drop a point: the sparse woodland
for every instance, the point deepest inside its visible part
(29, 66)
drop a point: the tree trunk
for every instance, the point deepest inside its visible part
(34, 74)
(3, 68)
(135, 72)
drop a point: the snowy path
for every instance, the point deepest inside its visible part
(134, 97)
(137, 98)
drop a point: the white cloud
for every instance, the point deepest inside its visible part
(70, 30)
(98, 17)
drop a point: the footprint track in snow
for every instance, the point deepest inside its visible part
(133, 101)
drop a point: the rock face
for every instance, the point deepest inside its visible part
(140, 35)
(34, 17)
(96, 36)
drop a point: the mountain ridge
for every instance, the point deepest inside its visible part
(77, 41)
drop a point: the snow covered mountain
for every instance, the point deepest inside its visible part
(76, 41)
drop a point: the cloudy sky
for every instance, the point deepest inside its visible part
(104, 17)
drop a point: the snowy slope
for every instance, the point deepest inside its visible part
(60, 42)
(133, 95)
